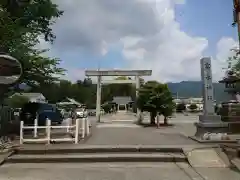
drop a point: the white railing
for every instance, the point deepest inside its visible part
(77, 125)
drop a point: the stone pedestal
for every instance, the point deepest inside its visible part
(206, 127)
(210, 118)
(210, 124)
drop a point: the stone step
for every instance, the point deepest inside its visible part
(55, 149)
(236, 163)
(97, 157)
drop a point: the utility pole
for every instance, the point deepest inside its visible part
(236, 18)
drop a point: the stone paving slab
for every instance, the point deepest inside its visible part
(218, 173)
(95, 172)
(205, 158)
(136, 136)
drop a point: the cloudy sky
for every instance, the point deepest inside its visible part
(167, 36)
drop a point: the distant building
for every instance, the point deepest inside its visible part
(196, 100)
(189, 101)
(70, 102)
(122, 102)
(33, 97)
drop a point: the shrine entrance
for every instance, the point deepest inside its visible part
(101, 73)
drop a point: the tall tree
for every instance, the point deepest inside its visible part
(16, 101)
(21, 26)
(155, 98)
(233, 71)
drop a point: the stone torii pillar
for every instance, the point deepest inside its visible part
(98, 102)
(137, 78)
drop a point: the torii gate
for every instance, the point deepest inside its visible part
(100, 73)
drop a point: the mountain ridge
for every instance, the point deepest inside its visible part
(189, 89)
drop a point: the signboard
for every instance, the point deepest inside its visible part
(206, 75)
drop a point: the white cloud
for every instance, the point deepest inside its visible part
(223, 48)
(147, 29)
(171, 53)
(219, 63)
(74, 74)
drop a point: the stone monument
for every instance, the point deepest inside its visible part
(208, 121)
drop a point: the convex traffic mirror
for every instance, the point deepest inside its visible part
(10, 70)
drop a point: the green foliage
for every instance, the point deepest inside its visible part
(107, 107)
(21, 26)
(16, 101)
(33, 18)
(111, 90)
(193, 107)
(234, 61)
(155, 98)
(122, 78)
(234, 66)
(83, 91)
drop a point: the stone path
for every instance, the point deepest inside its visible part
(129, 117)
(135, 136)
(119, 129)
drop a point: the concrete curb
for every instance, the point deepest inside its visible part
(89, 158)
(91, 154)
(236, 163)
(98, 149)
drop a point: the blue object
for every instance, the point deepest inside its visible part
(43, 110)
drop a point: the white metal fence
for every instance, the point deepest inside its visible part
(75, 128)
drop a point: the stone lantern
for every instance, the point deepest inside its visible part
(230, 111)
(230, 82)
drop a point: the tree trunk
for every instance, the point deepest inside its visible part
(158, 121)
(139, 118)
(152, 117)
(165, 120)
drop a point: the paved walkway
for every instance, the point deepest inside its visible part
(119, 129)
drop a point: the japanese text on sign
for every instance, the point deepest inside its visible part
(207, 66)
(208, 85)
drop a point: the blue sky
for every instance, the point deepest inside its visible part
(208, 18)
(203, 23)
